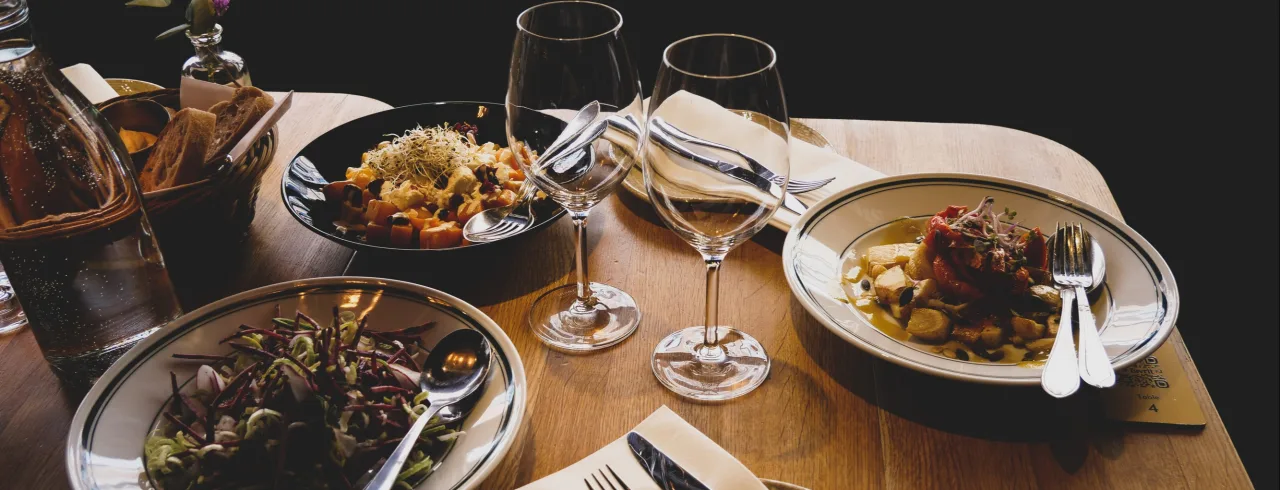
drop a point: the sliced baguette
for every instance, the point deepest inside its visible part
(246, 107)
(179, 153)
(216, 109)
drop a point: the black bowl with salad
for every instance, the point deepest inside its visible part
(406, 180)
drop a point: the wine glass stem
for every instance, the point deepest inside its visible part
(580, 242)
(713, 301)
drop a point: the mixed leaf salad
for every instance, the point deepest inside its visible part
(297, 404)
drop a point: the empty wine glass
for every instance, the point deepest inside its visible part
(567, 55)
(725, 89)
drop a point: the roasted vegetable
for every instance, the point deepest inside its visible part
(929, 325)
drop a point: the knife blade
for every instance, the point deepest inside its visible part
(665, 472)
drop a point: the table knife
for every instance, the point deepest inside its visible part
(665, 472)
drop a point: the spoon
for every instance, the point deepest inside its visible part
(457, 366)
(474, 230)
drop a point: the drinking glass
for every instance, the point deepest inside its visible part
(567, 55)
(12, 318)
(725, 89)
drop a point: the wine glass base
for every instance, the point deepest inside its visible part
(691, 369)
(563, 322)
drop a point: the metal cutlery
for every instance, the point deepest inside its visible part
(789, 200)
(1095, 364)
(665, 472)
(1061, 375)
(602, 481)
(794, 186)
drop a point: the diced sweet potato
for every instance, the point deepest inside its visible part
(401, 235)
(469, 209)
(447, 235)
(1027, 328)
(929, 325)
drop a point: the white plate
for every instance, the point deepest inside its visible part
(1136, 311)
(104, 446)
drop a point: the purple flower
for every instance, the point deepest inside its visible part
(220, 7)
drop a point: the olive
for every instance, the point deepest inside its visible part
(354, 195)
(456, 200)
(442, 213)
(904, 299)
(398, 219)
(962, 355)
(866, 284)
(442, 181)
(376, 186)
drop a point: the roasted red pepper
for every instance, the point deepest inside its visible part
(950, 283)
(1036, 252)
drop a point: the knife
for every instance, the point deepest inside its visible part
(789, 200)
(665, 472)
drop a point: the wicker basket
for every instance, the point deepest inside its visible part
(219, 208)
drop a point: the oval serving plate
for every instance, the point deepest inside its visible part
(1136, 310)
(104, 445)
(326, 159)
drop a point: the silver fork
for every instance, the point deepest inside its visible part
(602, 480)
(1061, 375)
(1095, 364)
(795, 186)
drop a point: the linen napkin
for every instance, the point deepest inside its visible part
(89, 82)
(708, 120)
(684, 444)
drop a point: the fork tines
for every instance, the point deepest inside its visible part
(599, 480)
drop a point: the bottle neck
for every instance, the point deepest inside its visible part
(206, 40)
(15, 30)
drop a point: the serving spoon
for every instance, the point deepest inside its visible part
(457, 367)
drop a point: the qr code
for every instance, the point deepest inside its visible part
(1145, 374)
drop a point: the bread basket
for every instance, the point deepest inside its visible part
(218, 208)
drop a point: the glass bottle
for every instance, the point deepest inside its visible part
(74, 238)
(211, 63)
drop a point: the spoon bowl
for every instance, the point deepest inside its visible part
(457, 366)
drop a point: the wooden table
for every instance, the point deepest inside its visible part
(830, 416)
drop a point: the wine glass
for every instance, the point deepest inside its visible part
(566, 56)
(724, 89)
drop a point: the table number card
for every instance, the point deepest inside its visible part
(1154, 390)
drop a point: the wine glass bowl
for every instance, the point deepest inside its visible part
(566, 56)
(713, 198)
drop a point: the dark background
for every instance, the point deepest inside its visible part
(1176, 106)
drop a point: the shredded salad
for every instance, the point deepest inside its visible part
(297, 404)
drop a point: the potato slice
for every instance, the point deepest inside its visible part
(920, 265)
(929, 325)
(890, 255)
(889, 285)
(1027, 328)
(1041, 345)
(991, 335)
(967, 335)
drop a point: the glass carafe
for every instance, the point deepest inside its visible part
(74, 238)
(211, 63)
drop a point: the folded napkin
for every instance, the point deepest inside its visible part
(689, 448)
(708, 120)
(89, 82)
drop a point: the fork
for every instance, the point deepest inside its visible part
(1061, 375)
(1095, 364)
(600, 476)
(795, 186)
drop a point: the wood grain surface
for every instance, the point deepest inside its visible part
(829, 417)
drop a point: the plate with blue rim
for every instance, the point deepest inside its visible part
(1135, 309)
(105, 442)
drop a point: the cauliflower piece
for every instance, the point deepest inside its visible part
(405, 196)
(463, 181)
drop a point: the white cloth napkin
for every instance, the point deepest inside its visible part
(705, 119)
(689, 448)
(89, 82)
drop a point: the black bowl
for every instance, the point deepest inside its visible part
(326, 160)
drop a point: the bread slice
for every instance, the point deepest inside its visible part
(216, 109)
(179, 153)
(246, 107)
